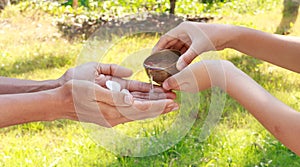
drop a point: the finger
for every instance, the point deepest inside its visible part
(150, 109)
(172, 43)
(186, 58)
(169, 39)
(171, 84)
(130, 85)
(179, 80)
(153, 95)
(185, 80)
(184, 49)
(112, 97)
(113, 70)
(163, 41)
(178, 45)
(142, 116)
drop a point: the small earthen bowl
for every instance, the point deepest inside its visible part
(162, 65)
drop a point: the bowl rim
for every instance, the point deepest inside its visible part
(177, 52)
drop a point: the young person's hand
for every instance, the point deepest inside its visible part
(192, 39)
(278, 118)
(200, 76)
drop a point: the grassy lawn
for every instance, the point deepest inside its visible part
(32, 47)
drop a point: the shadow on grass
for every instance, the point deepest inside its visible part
(289, 16)
(265, 77)
(38, 62)
(273, 153)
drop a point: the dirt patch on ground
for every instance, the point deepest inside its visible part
(82, 27)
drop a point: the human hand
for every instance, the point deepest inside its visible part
(90, 71)
(100, 73)
(192, 39)
(88, 102)
(139, 90)
(200, 76)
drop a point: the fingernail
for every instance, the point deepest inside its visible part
(180, 65)
(172, 105)
(101, 76)
(128, 99)
(175, 108)
(166, 85)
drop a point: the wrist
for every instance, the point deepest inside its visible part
(37, 86)
(217, 73)
(52, 84)
(233, 79)
(65, 102)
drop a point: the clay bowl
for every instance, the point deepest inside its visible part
(162, 65)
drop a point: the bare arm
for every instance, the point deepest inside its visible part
(82, 101)
(281, 120)
(94, 103)
(283, 51)
(89, 71)
(13, 86)
(29, 107)
(193, 39)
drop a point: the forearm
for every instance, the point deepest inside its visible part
(281, 120)
(280, 50)
(13, 86)
(30, 107)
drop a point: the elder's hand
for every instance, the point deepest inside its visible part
(90, 71)
(192, 39)
(88, 102)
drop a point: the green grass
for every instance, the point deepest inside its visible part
(32, 47)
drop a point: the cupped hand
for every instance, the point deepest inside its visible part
(139, 90)
(90, 71)
(100, 73)
(192, 39)
(86, 101)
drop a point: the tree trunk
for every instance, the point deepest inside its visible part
(172, 4)
(75, 4)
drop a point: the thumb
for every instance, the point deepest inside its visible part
(173, 82)
(185, 81)
(186, 58)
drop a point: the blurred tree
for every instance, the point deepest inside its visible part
(172, 6)
(173, 3)
(4, 3)
(289, 16)
(76, 3)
